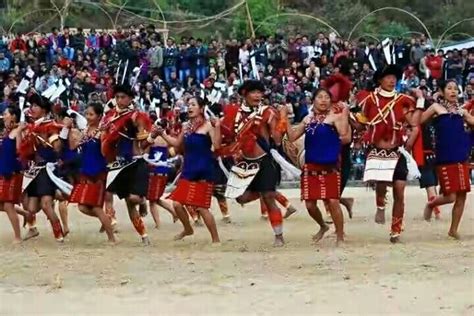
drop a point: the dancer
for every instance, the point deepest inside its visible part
(220, 185)
(252, 127)
(325, 130)
(283, 201)
(158, 178)
(41, 147)
(69, 161)
(384, 113)
(452, 149)
(124, 141)
(423, 152)
(10, 168)
(89, 191)
(195, 185)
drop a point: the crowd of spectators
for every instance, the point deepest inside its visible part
(164, 72)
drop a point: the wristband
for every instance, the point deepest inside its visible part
(420, 104)
(64, 133)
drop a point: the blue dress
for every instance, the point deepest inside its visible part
(453, 144)
(9, 163)
(198, 158)
(322, 144)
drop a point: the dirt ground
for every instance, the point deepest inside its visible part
(426, 274)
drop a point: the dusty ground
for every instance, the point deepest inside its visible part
(426, 274)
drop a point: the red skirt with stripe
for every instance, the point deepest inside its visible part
(156, 186)
(89, 191)
(320, 182)
(11, 188)
(193, 193)
(454, 178)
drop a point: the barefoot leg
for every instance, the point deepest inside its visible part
(63, 214)
(458, 210)
(155, 214)
(337, 218)
(348, 204)
(315, 214)
(208, 219)
(169, 207)
(184, 219)
(106, 223)
(9, 208)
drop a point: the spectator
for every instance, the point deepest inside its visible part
(4, 64)
(201, 60)
(416, 54)
(184, 63)
(453, 66)
(155, 56)
(434, 63)
(169, 59)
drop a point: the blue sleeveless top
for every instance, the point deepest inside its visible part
(93, 162)
(46, 154)
(9, 163)
(125, 149)
(198, 158)
(322, 144)
(453, 143)
(164, 156)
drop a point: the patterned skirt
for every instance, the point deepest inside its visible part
(156, 186)
(11, 188)
(89, 191)
(193, 193)
(320, 182)
(454, 178)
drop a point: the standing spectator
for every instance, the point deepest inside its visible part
(416, 54)
(261, 52)
(201, 60)
(78, 41)
(279, 52)
(169, 59)
(155, 56)
(313, 73)
(184, 63)
(400, 52)
(244, 58)
(453, 66)
(435, 64)
(468, 71)
(232, 56)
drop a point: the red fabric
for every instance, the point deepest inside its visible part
(115, 123)
(275, 217)
(139, 226)
(193, 193)
(10, 189)
(385, 130)
(454, 178)
(340, 87)
(18, 44)
(435, 65)
(319, 182)
(89, 192)
(156, 187)
(57, 229)
(30, 141)
(418, 151)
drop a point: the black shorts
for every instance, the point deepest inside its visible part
(133, 180)
(346, 165)
(41, 185)
(428, 177)
(268, 177)
(401, 169)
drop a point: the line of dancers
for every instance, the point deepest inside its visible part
(48, 159)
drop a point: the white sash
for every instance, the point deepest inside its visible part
(380, 165)
(240, 177)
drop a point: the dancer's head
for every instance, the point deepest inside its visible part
(252, 91)
(322, 100)
(11, 115)
(449, 89)
(94, 112)
(39, 106)
(388, 76)
(196, 107)
(123, 96)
